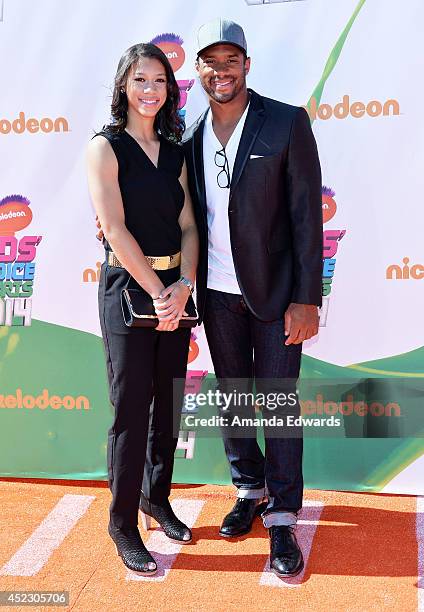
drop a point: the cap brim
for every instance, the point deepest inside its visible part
(223, 42)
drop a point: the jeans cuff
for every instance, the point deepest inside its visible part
(273, 519)
(251, 493)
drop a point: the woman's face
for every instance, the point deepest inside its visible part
(146, 87)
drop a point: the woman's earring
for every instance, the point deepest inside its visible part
(122, 90)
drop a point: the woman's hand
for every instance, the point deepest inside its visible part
(167, 326)
(170, 306)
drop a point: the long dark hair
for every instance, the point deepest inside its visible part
(168, 120)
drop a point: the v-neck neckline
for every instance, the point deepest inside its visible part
(242, 119)
(156, 167)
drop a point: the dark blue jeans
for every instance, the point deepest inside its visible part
(243, 347)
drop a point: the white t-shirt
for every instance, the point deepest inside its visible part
(221, 272)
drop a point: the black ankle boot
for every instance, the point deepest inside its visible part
(286, 557)
(164, 515)
(131, 549)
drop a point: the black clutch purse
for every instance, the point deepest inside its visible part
(138, 310)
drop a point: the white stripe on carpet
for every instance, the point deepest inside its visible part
(163, 550)
(49, 535)
(305, 531)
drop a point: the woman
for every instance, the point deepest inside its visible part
(138, 185)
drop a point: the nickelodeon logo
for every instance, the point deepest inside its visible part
(90, 275)
(171, 45)
(21, 124)
(43, 401)
(15, 214)
(345, 108)
(405, 272)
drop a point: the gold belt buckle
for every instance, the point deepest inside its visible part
(166, 262)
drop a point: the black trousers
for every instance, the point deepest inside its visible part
(142, 365)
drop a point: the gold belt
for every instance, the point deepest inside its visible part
(166, 262)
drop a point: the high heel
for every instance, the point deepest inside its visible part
(146, 520)
(129, 546)
(164, 515)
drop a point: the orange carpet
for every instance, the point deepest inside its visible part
(363, 555)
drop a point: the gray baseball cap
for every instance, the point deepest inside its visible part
(221, 31)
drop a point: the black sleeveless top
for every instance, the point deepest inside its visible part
(152, 197)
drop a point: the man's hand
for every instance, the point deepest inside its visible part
(99, 234)
(300, 323)
(170, 306)
(173, 301)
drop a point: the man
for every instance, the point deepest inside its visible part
(256, 184)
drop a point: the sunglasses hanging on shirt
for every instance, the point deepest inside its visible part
(223, 179)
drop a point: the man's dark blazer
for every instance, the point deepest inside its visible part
(274, 211)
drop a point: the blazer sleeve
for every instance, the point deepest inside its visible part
(303, 184)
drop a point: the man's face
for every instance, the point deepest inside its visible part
(222, 71)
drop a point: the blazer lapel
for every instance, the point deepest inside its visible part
(254, 120)
(197, 153)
